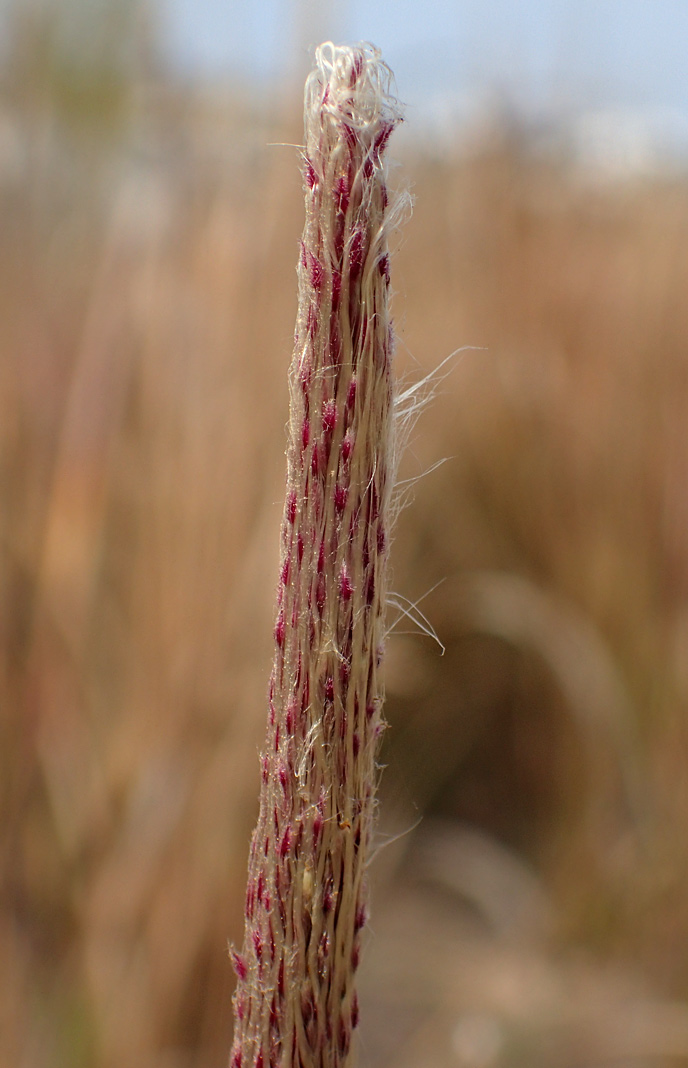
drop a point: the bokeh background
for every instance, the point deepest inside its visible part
(530, 893)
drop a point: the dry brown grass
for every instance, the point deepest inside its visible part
(145, 333)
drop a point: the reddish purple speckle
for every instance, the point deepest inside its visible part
(339, 241)
(299, 548)
(305, 434)
(317, 463)
(383, 267)
(336, 287)
(381, 538)
(280, 630)
(329, 416)
(347, 445)
(284, 574)
(257, 945)
(354, 1010)
(345, 587)
(265, 768)
(321, 558)
(280, 979)
(343, 1037)
(345, 672)
(356, 743)
(283, 778)
(329, 689)
(237, 1058)
(291, 507)
(285, 844)
(349, 135)
(355, 956)
(306, 374)
(239, 965)
(374, 502)
(361, 917)
(317, 828)
(309, 173)
(328, 900)
(259, 1059)
(317, 273)
(324, 947)
(250, 900)
(320, 593)
(382, 138)
(341, 193)
(341, 495)
(273, 1014)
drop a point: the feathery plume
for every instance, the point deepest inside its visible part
(295, 1003)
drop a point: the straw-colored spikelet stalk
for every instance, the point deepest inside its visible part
(296, 1001)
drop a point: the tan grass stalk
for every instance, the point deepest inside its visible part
(296, 1002)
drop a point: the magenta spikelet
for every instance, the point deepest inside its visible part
(296, 1002)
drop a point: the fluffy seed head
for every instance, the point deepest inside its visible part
(296, 1002)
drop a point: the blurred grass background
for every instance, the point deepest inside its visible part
(537, 915)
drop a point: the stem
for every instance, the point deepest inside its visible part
(296, 1003)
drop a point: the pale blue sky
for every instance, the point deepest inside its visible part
(580, 53)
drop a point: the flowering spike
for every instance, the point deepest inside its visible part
(318, 786)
